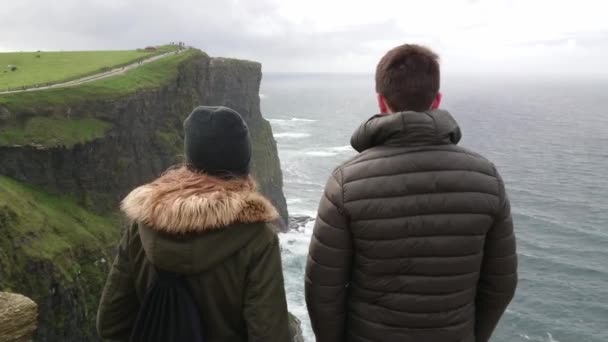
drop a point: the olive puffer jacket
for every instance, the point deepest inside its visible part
(215, 233)
(414, 238)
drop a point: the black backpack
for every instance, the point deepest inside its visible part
(168, 312)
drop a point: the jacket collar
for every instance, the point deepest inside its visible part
(433, 127)
(182, 201)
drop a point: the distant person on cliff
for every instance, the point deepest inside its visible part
(414, 237)
(206, 224)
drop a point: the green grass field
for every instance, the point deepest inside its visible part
(53, 132)
(58, 131)
(149, 75)
(53, 67)
(48, 227)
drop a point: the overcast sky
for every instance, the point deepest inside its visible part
(472, 36)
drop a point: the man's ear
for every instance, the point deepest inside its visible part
(382, 104)
(436, 101)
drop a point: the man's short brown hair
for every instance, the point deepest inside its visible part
(408, 78)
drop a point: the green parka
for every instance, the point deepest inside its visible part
(218, 234)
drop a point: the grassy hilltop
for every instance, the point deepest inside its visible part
(54, 228)
(53, 249)
(31, 68)
(46, 227)
(63, 131)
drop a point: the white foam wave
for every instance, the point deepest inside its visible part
(291, 121)
(321, 153)
(297, 240)
(329, 152)
(291, 135)
(302, 210)
(345, 148)
(263, 96)
(303, 120)
(294, 247)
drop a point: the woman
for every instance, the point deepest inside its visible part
(206, 222)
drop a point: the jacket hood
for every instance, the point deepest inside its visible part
(433, 127)
(189, 221)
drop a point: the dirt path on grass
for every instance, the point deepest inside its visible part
(101, 75)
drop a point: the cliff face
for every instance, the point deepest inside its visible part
(56, 253)
(58, 221)
(145, 137)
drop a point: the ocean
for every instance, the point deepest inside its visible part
(547, 136)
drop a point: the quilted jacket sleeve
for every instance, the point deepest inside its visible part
(498, 278)
(328, 266)
(119, 304)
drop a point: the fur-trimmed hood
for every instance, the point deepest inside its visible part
(181, 216)
(182, 201)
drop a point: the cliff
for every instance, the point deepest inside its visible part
(57, 253)
(59, 195)
(141, 134)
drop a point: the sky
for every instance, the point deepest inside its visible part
(471, 36)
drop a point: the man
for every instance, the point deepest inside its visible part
(414, 236)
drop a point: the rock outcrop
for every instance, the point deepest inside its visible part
(17, 318)
(295, 329)
(298, 222)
